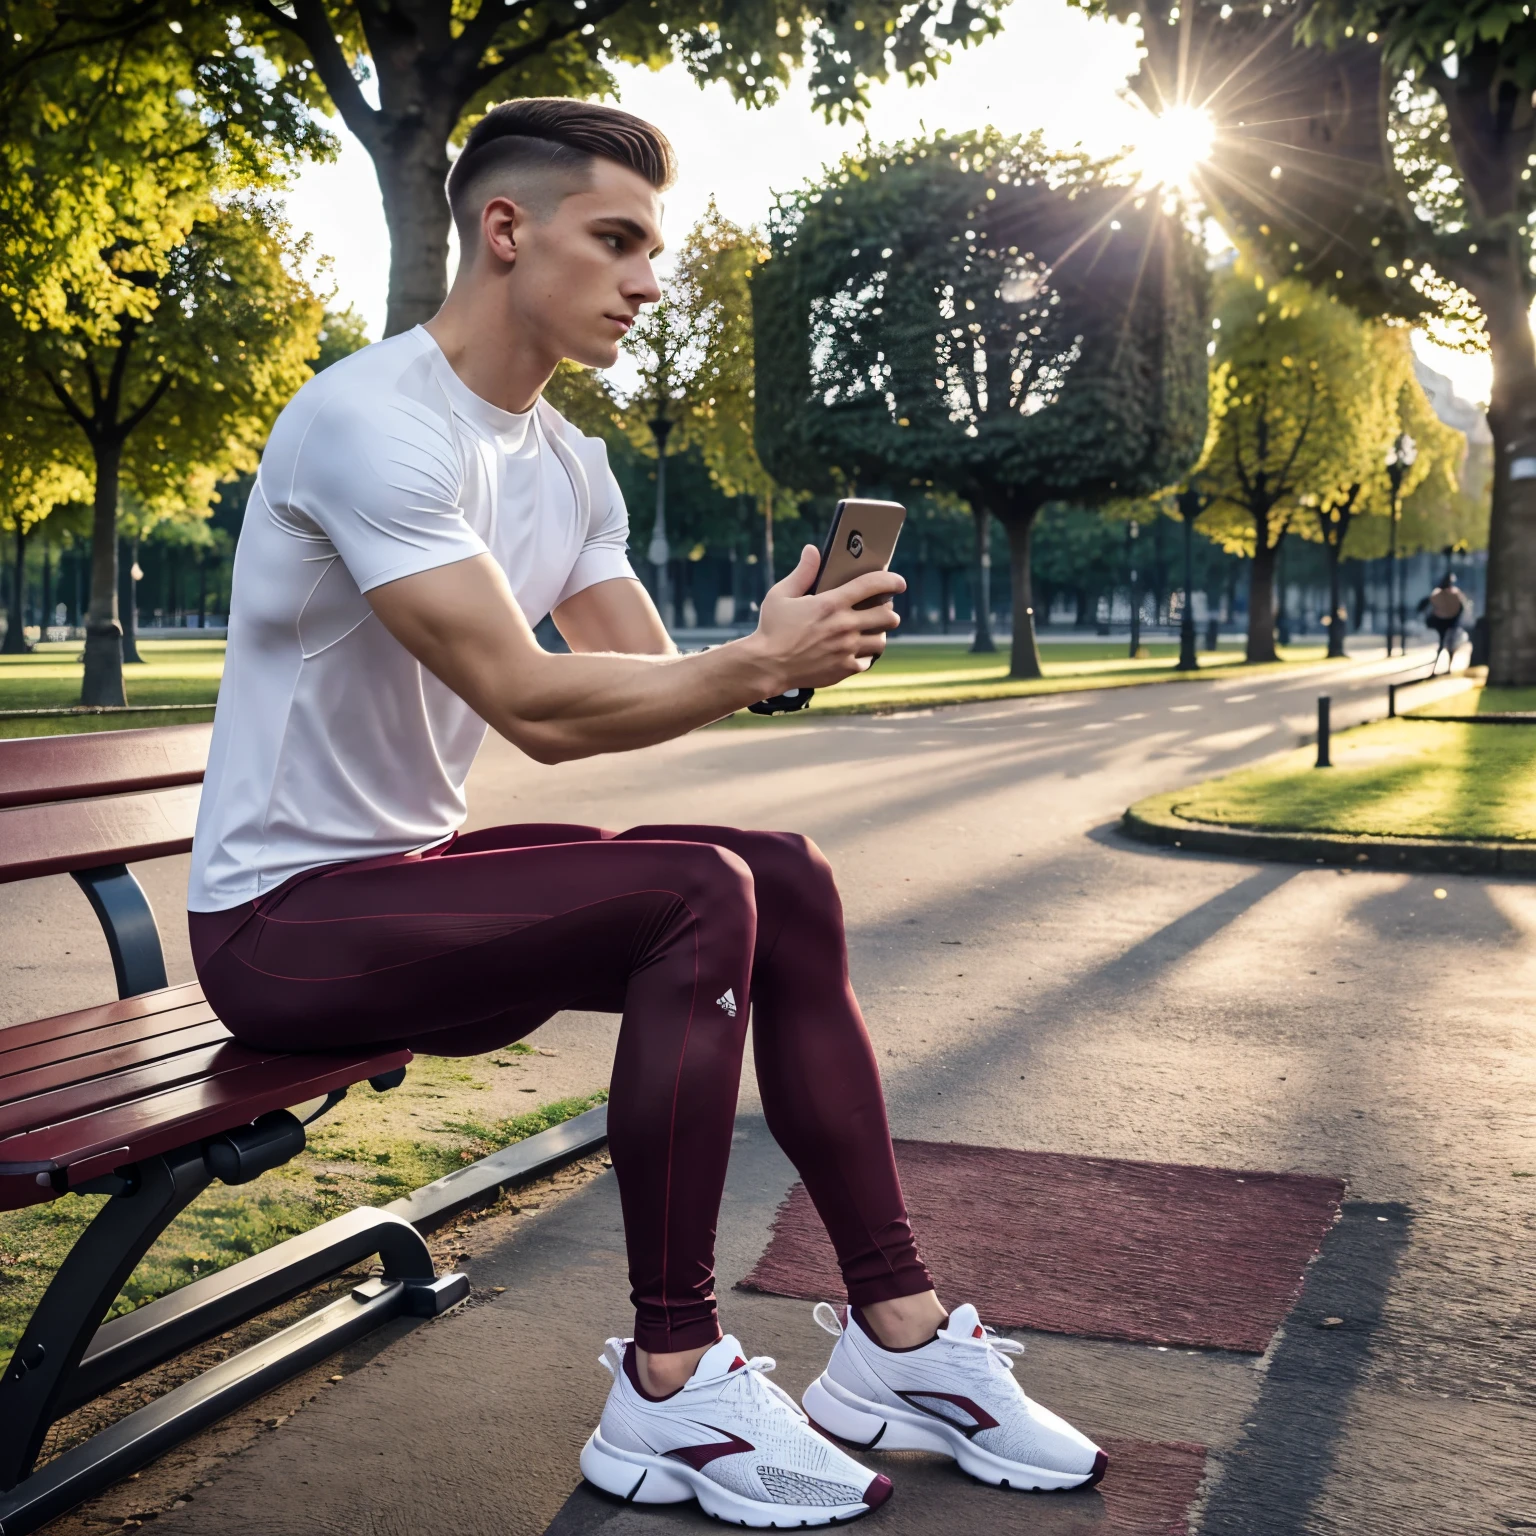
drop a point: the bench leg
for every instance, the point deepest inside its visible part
(87, 1283)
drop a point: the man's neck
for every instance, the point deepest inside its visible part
(483, 348)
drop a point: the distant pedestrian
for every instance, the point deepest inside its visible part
(1447, 610)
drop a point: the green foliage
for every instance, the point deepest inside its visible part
(189, 381)
(342, 332)
(976, 315)
(1306, 401)
(111, 128)
(485, 50)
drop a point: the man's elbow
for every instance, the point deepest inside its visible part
(543, 742)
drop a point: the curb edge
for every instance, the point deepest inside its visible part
(1154, 820)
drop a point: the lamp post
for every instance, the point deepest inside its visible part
(660, 552)
(1132, 533)
(1400, 457)
(1191, 504)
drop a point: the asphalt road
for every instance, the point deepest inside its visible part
(1031, 980)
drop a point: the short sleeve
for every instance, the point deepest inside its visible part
(384, 486)
(604, 553)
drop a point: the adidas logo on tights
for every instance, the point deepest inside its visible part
(727, 1001)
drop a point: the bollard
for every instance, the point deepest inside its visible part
(1391, 701)
(1324, 704)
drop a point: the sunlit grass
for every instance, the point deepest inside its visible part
(908, 676)
(921, 675)
(1477, 701)
(1396, 778)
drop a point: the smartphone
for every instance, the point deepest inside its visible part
(862, 538)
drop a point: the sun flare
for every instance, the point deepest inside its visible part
(1173, 144)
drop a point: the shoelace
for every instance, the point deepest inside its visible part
(999, 1350)
(755, 1373)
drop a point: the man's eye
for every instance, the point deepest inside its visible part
(615, 242)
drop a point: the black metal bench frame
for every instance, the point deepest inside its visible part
(67, 1356)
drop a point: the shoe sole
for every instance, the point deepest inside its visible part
(638, 1478)
(871, 1426)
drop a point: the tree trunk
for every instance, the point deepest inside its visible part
(15, 624)
(1357, 580)
(1338, 621)
(983, 597)
(1261, 604)
(47, 614)
(103, 680)
(1025, 658)
(412, 164)
(1512, 529)
(128, 599)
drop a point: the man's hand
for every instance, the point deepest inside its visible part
(817, 639)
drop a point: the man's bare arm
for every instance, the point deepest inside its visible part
(616, 615)
(463, 624)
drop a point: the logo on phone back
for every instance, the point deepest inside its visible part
(856, 544)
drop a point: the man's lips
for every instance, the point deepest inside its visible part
(622, 321)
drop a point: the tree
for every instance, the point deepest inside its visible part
(1384, 149)
(112, 125)
(978, 315)
(1294, 399)
(694, 353)
(35, 477)
(439, 63)
(180, 391)
(1306, 400)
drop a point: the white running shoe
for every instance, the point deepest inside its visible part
(955, 1394)
(728, 1438)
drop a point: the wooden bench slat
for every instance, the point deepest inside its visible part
(160, 1122)
(89, 1097)
(144, 1003)
(21, 1089)
(37, 769)
(21, 1055)
(85, 834)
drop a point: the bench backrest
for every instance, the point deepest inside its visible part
(71, 803)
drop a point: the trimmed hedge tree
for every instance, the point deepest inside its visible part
(977, 315)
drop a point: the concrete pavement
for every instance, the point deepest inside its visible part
(1031, 980)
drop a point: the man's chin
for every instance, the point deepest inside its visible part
(600, 354)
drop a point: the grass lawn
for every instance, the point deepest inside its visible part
(908, 677)
(371, 1149)
(172, 672)
(1479, 701)
(1395, 778)
(925, 675)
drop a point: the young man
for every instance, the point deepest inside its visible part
(418, 508)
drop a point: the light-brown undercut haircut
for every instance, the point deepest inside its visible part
(539, 150)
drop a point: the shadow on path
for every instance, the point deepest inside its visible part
(1270, 1480)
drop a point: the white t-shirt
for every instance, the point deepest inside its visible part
(331, 741)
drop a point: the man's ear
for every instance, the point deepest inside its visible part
(499, 222)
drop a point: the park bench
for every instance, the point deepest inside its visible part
(148, 1100)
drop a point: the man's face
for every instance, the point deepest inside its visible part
(581, 277)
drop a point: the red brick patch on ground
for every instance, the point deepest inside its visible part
(1151, 1486)
(1099, 1247)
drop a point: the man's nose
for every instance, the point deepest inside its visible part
(644, 286)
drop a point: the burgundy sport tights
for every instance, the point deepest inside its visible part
(476, 942)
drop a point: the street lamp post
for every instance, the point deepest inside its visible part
(1400, 457)
(660, 552)
(1191, 503)
(1132, 533)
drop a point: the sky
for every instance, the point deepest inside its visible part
(1052, 68)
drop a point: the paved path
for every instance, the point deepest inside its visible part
(1102, 998)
